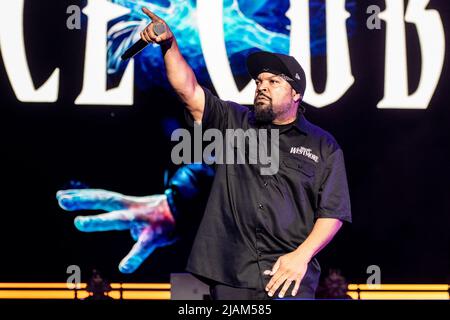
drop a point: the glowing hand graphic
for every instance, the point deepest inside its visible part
(148, 218)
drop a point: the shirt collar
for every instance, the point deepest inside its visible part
(302, 124)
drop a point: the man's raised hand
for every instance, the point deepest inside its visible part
(157, 31)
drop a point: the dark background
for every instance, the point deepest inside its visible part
(397, 163)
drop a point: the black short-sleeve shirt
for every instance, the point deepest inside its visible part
(251, 219)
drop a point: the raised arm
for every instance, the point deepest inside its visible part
(180, 74)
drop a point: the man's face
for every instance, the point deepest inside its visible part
(274, 97)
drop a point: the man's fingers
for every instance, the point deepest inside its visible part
(274, 274)
(157, 31)
(140, 251)
(273, 280)
(116, 220)
(286, 286)
(279, 281)
(296, 287)
(275, 267)
(149, 34)
(144, 37)
(151, 15)
(91, 199)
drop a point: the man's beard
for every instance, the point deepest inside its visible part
(264, 112)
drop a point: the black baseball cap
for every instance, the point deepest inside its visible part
(277, 63)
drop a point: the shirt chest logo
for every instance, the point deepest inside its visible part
(305, 152)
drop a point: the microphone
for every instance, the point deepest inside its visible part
(158, 29)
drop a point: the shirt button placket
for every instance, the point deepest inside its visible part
(258, 238)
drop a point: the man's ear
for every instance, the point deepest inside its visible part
(296, 96)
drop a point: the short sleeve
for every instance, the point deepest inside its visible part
(187, 194)
(215, 112)
(334, 199)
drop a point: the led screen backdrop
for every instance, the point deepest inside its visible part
(74, 115)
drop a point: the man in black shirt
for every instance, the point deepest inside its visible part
(260, 232)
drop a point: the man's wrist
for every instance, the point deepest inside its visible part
(166, 45)
(304, 253)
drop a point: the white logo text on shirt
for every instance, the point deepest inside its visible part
(305, 152)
